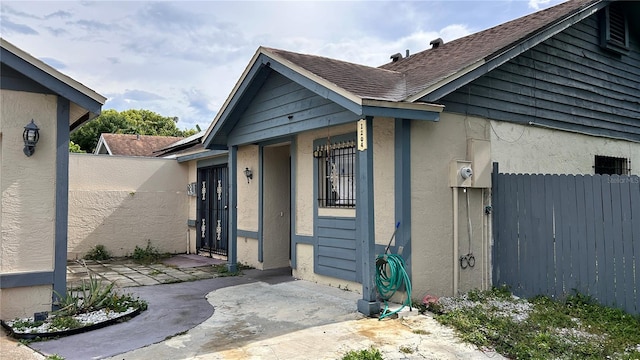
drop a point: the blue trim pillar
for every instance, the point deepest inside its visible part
(403, 189)
(365, 230)
(62, 199)
(232, 251)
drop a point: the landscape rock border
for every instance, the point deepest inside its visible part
(30, 336)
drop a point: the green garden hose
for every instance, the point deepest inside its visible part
(390, 276)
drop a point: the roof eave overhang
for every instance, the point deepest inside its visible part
(475, 70)
(54, 80)
(216, 135)
(401, 110)
(215, 138)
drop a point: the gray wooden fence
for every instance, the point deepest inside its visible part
(556, 235)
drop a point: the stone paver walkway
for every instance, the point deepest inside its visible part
(128, 273)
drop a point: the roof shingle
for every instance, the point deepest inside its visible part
(136, 145)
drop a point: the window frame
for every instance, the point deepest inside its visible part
(611, 165)
(345, 145)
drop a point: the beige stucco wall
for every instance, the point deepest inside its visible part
(383, 153)
(248, 191)
(433, 146)
(384, 179)
(305, 202)
(276, 207)
(248, 205)
(192, 204)
(304, 178)
(122, 202)
(248, 252)
(529, 149)
(27, 212)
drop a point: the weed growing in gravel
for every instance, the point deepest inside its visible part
(541, 328)
(366, 354)
(98, 252)
(147, 255)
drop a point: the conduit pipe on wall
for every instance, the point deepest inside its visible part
(188, 242)
(455, 241)
(484, 241)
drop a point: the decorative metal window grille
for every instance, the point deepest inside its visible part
(336, 174)
(607, 165)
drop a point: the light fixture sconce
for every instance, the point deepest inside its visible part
(249, 174)
(31, 135)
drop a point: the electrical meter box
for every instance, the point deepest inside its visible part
(460, 173)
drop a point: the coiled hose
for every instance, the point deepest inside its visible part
(390, 276)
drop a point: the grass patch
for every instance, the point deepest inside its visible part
(366, 354)
(541, 328)
(222, 270)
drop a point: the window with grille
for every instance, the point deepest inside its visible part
(615, 28)
(336, 174)
(607, 165)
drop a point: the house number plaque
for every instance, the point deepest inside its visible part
(362, 135)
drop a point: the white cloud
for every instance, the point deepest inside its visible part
(183, 58)
(535, 4)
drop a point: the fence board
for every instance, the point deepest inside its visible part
(634, 183)
(580, 236)
(590, 237)
(557, 236)
(626, 244)
(549, 239)
(554, 235)
(537, 220)
(600, 240)
(607, 216)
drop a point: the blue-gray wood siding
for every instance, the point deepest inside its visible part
(281, 108)
(335, 252)
(568, 82)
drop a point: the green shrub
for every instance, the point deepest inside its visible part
(148, 255)
(98, 252)
(366, 354)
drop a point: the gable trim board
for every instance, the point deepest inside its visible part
(102, 143)
(257, 72)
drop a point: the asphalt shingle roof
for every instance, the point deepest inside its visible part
(137, 145)
(396, 81)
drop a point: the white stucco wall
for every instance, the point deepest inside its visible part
(536, 150)
(122, 202)
(27, 210)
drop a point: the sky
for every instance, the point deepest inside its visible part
(182, 59)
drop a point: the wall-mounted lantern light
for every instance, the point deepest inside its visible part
(249, 174)
(31, 135)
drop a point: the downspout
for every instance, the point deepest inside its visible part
(455, 241)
